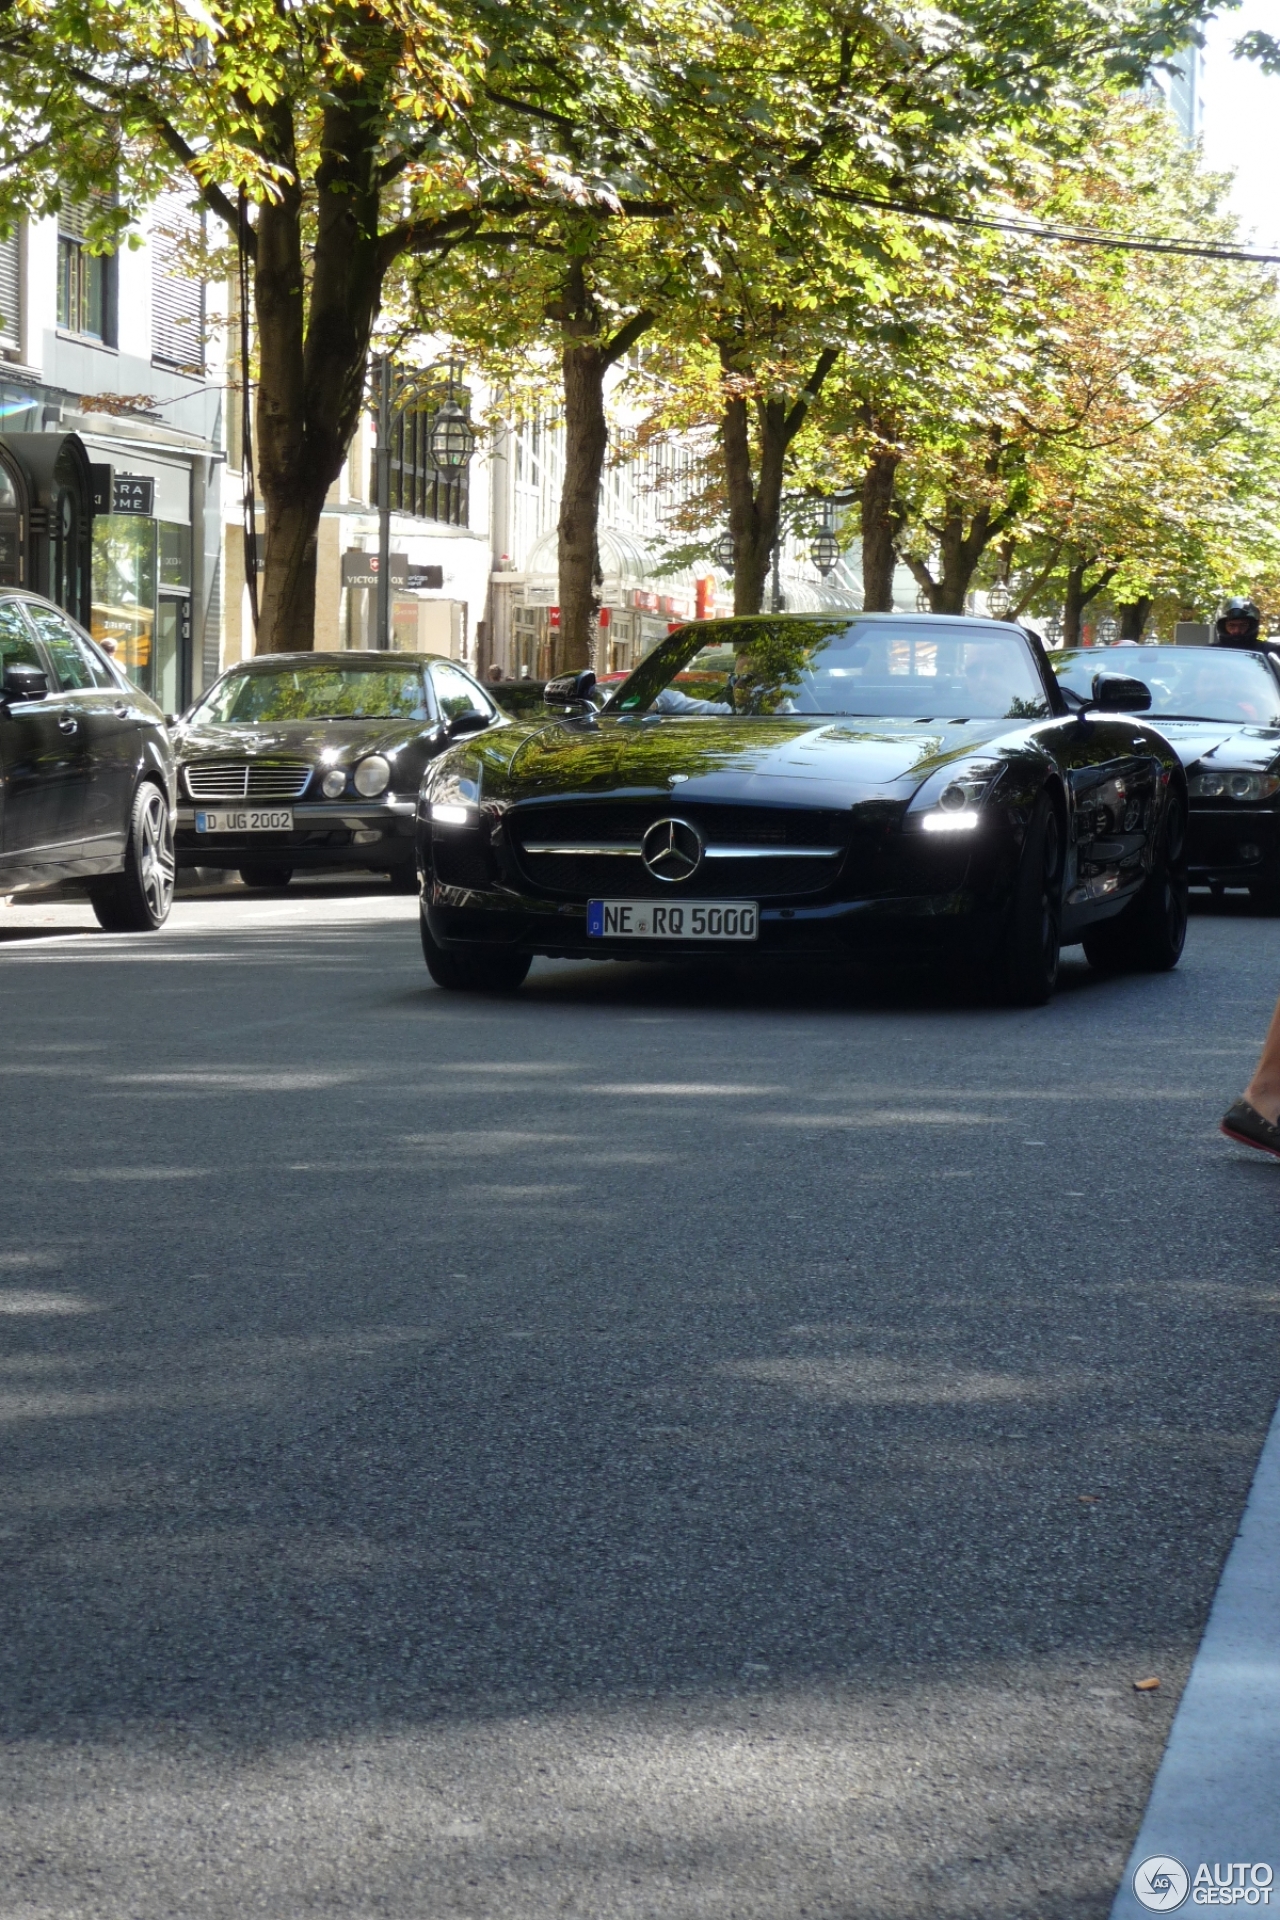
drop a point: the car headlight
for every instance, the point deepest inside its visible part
(373, 776)
(951, 800)
(334, 783)
(1213, 784)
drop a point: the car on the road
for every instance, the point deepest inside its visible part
(842, 785)
(1219, 708)
(86, 770)
(312, 761)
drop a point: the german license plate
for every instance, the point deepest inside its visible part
(245, 820)
(663, 920)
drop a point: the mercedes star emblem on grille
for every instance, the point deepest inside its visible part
(672, 849)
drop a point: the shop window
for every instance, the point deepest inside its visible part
(10, 533)
(124, 591)
(86, 280)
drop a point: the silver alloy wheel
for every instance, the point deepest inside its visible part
(155, 853)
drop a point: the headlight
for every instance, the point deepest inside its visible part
(1213, 785)
(334, 783)
(951, 800)
(373, 776)
(452, 813)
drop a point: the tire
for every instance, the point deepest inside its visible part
(267, 873)
(405, 879)
(1148, 937)
(1264, 896)
(138, 900)
(1033, 939)
(473, 969)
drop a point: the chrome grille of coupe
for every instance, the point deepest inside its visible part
(591, 850)
(247, 779)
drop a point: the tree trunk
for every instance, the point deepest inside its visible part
(1078, 596)
(312, 354)
(585, 359)
(586, 440)
(881, 519)
(753, 514)
(1133, 617)
(959, 550)
(755, 500)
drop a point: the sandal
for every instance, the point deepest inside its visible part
(1245, 1125)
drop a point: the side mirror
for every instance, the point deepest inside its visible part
(569, 689)
(1118, 693)
(22, 682)
(469, 722)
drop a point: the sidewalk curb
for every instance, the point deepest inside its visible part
(1216, 1798)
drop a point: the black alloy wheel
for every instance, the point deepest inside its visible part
(473, 969)
(138, 900)
(1148, 937)
(1033, 941)
(267, 873)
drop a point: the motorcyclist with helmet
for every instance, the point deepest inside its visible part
(1238, 625)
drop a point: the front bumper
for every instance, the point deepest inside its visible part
(919, 927)
(330, 833)
(1233, 846)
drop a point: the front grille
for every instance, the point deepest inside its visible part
(591, 874)
(247, 779)
(460, 860)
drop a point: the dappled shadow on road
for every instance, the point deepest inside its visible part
(497, 1473)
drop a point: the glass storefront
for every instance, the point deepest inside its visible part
(141, 602)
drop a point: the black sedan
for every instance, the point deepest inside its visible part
(1220, 709)
(86, 771)
(309, 761)
(870, 785)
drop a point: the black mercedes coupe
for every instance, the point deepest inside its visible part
(1219, 708)
(868, 785)
(306, 761)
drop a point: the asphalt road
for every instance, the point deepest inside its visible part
(651, 1447)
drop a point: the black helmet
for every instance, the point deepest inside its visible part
(1242, 614)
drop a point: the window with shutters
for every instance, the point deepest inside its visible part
(86, 281)
(418, 486)
(177, 293)
(11, 292)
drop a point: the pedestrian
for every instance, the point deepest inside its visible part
(1237, 625)
(1254, 1120)
(494, 674)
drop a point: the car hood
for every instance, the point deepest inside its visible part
(1221, 743)
(336, 741)
(814, 762)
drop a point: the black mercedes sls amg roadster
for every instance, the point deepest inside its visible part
(869, 786)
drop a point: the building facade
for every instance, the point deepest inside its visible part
(111, 442)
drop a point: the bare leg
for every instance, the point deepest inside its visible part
(1263, 1091)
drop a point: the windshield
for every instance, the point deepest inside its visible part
(1187, 683)
(897, 669)
(317, 693)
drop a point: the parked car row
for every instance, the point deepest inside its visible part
(877, 785)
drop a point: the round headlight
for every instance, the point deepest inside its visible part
(334, 783)
(373, 775)
(1240, 786)
(952, 798)
(1211, 785)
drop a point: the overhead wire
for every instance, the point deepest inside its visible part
(1067, 236)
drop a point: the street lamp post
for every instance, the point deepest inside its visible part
(452, 444)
